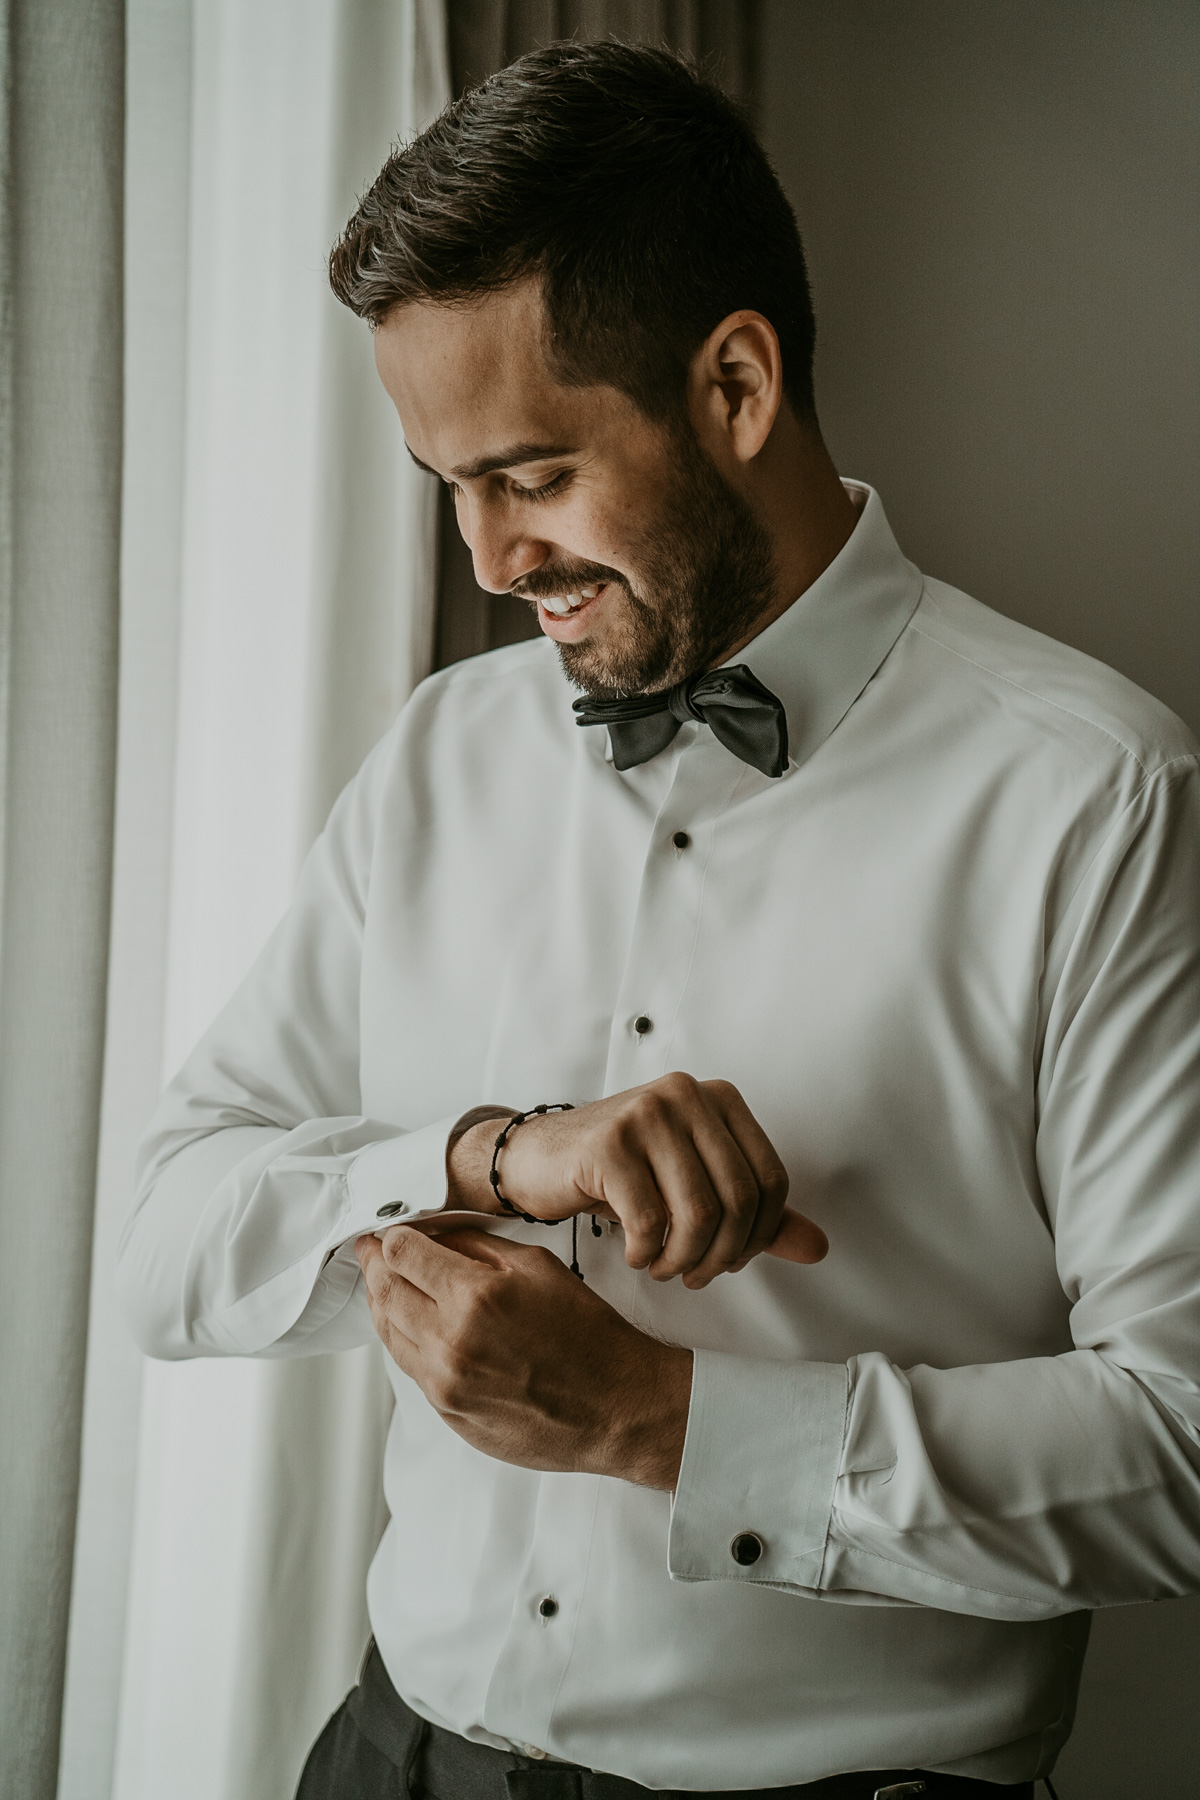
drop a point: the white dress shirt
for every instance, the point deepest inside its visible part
(950, 960)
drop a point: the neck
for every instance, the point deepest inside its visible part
(795, 490)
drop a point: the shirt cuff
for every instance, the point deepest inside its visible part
(762, 1453)
(396, 1180)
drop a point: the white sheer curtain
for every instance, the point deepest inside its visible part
(277, 590)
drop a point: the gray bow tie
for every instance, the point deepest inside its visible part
(743, 714)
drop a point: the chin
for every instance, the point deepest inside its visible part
(593, 668)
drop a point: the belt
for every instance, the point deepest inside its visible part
(445, 1766)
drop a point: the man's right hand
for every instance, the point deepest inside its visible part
(682, 1165)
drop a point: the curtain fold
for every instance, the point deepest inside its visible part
(158, 89)
(60, 450)
(304, 606)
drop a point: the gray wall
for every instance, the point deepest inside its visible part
(1001, 204)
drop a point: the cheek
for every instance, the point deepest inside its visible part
(604, 533)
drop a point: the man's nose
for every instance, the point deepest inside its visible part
(502, 548)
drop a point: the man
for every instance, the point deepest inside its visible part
(834, 884)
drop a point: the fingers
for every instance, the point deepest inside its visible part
(798, 1239)
(482, 1247)
(369, 1252)
(387, 1289)
(748, 1175)
(637, 1201)
(721, 1182)
(386, 1299)
(762, 1158)
(711, 1198)
(427, 1263)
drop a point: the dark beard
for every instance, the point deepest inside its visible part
(706, 574)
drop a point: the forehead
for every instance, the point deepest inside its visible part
(466, 380)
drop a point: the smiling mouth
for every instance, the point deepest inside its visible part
(562, 606)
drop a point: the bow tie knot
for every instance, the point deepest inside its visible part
(742, 714)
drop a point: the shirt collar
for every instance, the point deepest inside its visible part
(820, 654)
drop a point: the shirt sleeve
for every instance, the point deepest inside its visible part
(1026, 1489)
(259, 1169)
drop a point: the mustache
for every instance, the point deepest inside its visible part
(544, 583)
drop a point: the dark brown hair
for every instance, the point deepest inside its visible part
(630, 185)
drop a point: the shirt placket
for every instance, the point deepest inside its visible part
(550, 1596)
(663, 941)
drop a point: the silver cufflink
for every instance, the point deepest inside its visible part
(900, 1790)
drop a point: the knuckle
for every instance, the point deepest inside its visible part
(439, 1393)
(447, 1383)
(722, 1090)
(395, 1250)
(742, 1195)
(702, 1208)
(644, 1222)
(475, 1305)
(626, 1129)
(653, 1104)
(775, 1182)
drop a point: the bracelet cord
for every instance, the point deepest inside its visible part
(506, 1205)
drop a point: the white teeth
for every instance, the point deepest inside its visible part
(563, 604)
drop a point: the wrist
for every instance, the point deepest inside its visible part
(648, 1437)
(469, 1160)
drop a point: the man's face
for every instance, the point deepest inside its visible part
(644, 565)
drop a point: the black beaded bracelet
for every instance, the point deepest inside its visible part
(507, 1206)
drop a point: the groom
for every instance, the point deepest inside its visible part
(812, 879)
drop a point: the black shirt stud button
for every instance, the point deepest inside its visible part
(681, 840)
(548, 1607)
(746, 1548)
(642, 1024)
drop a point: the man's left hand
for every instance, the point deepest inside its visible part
(523, 1360)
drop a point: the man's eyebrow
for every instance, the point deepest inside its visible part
(510, 458)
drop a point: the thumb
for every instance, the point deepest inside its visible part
(798, 1240)
(487, 1247)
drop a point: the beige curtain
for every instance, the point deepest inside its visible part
(484, 36)
(182, 1550)
(156, 225)
(60, 454)
(276, 527)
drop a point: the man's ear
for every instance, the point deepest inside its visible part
(735, 387)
